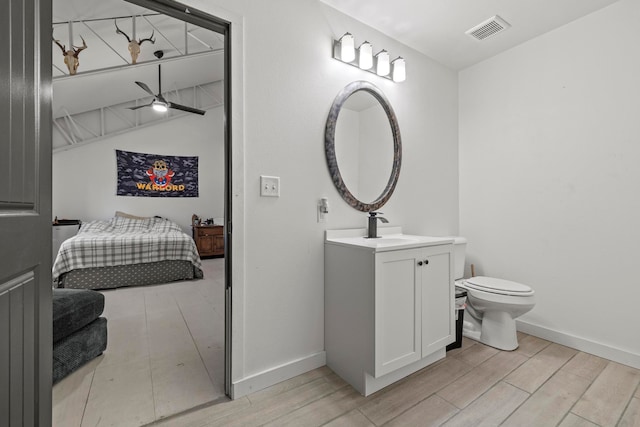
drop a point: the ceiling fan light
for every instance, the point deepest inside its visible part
(159, 106)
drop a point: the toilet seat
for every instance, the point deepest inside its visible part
(497, 286)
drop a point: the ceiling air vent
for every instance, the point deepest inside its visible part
(488, 28)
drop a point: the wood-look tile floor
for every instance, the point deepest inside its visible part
(165, 355)
(539, 384)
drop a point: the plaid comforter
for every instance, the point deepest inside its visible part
(121, 241)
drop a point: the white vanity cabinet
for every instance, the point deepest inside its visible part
(389, 310)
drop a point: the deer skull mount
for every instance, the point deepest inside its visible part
(134, 46)
(71, 55)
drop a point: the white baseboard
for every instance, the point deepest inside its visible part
(617, 355)
(278, 374)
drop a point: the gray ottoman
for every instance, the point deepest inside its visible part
(79, 333)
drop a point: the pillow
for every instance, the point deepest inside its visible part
(96, 226)
(124, 225)
(126, 215)
(163, 225)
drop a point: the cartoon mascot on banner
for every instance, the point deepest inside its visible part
(160, 174)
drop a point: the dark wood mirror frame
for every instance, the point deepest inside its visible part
(330, 149)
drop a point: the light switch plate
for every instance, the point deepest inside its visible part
(269, 186)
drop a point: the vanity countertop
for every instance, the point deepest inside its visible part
(391, 239)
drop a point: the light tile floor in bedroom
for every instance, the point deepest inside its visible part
(165, 355)
(540, 384)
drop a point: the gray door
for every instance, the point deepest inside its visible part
(25, 213)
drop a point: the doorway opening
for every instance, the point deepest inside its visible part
(180, 343)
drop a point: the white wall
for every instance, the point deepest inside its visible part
(84, 177)
(289, 82)
(549, 177)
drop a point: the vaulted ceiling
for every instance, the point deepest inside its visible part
(95, 21)
(191, 63)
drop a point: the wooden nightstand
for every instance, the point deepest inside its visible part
(209, 240)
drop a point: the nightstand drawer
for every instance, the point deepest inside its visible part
(209, 231)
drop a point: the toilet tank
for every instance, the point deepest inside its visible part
(459, 249)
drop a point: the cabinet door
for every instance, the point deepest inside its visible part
(438, 323)
(218, 244)
(397, 310)
(206, 245)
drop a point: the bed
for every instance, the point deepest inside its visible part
(126, 252)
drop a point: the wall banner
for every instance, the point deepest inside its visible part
(155, 175)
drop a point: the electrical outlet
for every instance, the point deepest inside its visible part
(269, 186)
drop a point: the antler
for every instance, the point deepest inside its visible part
(150, 38)
(78, 49)
(119, 31)
(71, 55)
(134, 46)
(64, 49)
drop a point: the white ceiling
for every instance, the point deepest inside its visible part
(94, 21)
(91, 91)
(105, 76)
(433, 27)
(437, 27)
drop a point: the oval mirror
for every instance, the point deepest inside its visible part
(363, 146)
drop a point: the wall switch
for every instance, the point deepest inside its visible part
(269, 186)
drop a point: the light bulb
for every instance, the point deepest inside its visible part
(399, 73)
(365, 56)
(382, 63)
(347, 48)
(159, 106)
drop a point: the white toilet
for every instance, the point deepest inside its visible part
(492, 304)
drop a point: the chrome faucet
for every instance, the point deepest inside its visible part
(372, 232)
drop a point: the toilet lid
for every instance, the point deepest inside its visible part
(498, 286)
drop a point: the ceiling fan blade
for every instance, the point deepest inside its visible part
(140, 106)
(185, 108)
(146, 88)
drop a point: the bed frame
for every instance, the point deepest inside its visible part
(129, 275)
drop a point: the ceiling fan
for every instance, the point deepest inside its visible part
(159, 103)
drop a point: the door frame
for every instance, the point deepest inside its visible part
(196, 17)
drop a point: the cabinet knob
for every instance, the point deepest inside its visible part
(419, 262)
(426, 261)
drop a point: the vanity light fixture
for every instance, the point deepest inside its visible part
(365, 56)
(344, 50)
(347, 48)
(398, 71)
(382, 63)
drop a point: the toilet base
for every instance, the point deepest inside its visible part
(497, 329)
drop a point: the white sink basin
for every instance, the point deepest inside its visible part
(386, 242)
(390, 240)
